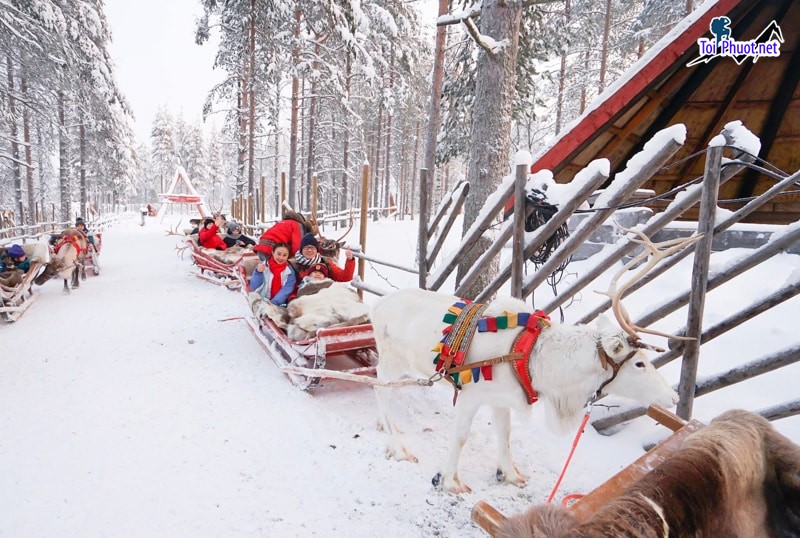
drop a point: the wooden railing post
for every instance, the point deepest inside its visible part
(422, 238)
(702, 256)
(363, 231)
(518, 235)
(279, 209)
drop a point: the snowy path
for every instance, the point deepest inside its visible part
(128, 409)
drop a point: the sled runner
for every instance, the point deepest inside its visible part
(335, 352)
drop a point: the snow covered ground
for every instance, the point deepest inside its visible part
(132, 408)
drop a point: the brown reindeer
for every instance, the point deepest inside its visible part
(67, 261)
(738, 477)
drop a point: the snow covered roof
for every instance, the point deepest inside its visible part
(660, 90)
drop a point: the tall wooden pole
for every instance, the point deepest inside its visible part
(279, 210)
(363, 232)
(314, 197)
(263, 205)
(702, 255)
(422, 237)
(518, 237)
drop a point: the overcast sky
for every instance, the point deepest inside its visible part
(157, 60)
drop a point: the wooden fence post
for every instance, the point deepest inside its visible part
(363, 231)
(262, 214)
(702, 255)
(518, 236)
(314, 197)
(422, 239)
(279, 209)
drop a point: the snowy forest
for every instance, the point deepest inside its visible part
(311, 88)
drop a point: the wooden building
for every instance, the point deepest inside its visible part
(660, 90)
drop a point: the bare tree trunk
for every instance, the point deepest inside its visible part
(562, 77)
(301, 136)
(491, 122)
(26, 136)
(295, 103)
(251, 102)
(241, 153)
(42, 180)
(689, 6)
(15, 163)
(63, 158)
(414, 170)
(604, 50)
(584, 96)
(435, 105)
(276, 115)
(346, 143)
(376, 169)
(82, 157)
(388, 171)
(312, 115)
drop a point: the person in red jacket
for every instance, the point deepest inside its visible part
(208, 237)
(288, 231)
(309, 255)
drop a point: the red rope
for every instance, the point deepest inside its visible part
(569, 458)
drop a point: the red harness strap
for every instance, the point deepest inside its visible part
(65, 240)
(524, 344)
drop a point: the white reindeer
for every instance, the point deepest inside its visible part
(566, 365)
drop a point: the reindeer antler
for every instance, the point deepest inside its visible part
(656, 252)
(174, 231)
(349, 228)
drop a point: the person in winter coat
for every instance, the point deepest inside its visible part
(81, 227)
(276, 284)
(208, 237)
(309, 255)
(288, 231)
(235, 237)
(19, 259)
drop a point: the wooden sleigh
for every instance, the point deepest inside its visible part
(489, 519)
(216, 271)
(337, 352)
(15, 300)
(91, 261)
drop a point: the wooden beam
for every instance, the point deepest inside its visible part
(783, 97)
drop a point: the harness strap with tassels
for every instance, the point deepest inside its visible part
(464, 318)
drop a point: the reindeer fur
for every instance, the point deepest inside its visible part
(565, 368)
(738, 477)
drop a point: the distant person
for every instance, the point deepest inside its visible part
(235, 237)
(275, 280)
(208, 237)
(80, 225)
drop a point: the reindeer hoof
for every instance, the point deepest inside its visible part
(455, 488)
(518, 479)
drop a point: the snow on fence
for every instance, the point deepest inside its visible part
(715, 224)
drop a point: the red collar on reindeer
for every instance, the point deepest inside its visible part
(464, 319)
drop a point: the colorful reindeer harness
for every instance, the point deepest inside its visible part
(464, 319)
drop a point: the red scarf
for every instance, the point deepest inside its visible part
(277, 283)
